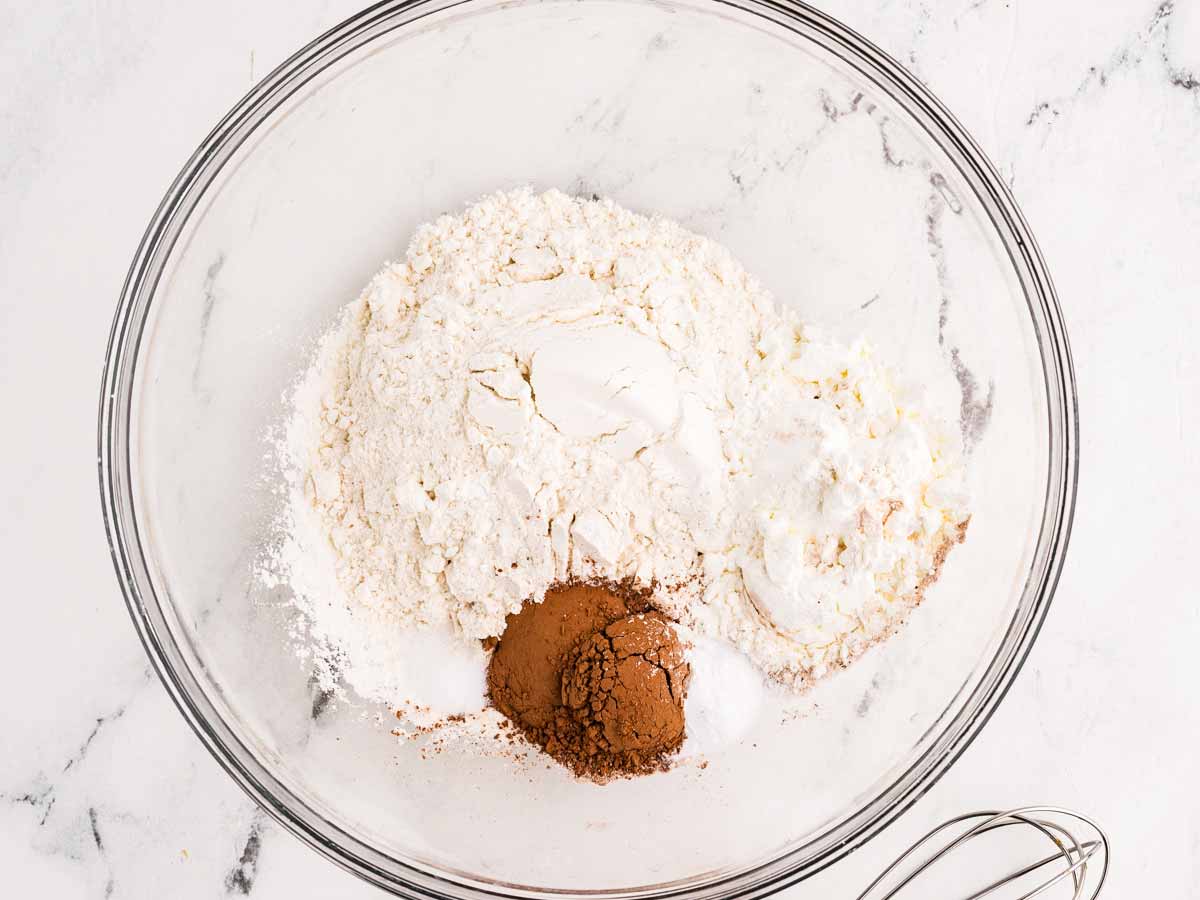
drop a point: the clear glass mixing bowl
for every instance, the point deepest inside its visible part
(827, 169)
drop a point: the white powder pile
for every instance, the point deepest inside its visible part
(551, 388)
(724, 697)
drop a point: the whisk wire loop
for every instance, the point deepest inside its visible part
(1063, 828)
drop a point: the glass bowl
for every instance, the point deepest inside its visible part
(835, 177)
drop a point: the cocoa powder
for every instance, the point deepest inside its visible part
(625, 686)
(594, 678)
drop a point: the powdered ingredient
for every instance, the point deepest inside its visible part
(626, 685)
(525, 673)
(725, 695)
(594, 679)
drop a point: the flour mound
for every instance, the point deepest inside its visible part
(553, 388)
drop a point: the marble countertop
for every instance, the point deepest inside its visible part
(1090, 110)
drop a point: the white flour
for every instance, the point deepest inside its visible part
(551, 387)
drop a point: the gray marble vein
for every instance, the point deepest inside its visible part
(1150, 43)
(101, 722)
(209, 290)
(976, 403)
(94, 822)
(240, 878)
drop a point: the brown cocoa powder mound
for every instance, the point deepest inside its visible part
(525, 672)
(625, 686)
(527, 683)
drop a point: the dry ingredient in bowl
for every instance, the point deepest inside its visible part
(552, 389)
(595, 677)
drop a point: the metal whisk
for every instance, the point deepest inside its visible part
(1080, 857)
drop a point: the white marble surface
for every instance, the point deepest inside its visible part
(1091, 110)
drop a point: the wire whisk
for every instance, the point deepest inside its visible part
(1080, 857)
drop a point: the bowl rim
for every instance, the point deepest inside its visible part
(116, 481)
